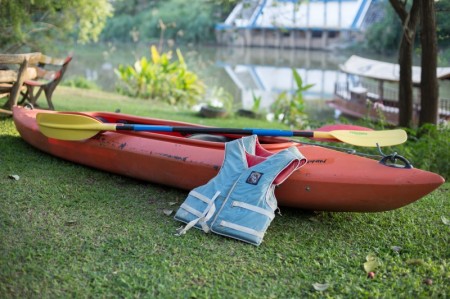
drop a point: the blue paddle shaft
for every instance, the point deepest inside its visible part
(149, 128)
(196, 130)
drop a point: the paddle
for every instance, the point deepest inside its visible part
(78, 127)
(336, 127)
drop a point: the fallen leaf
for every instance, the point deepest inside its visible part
(371, 263)
(371, 257)
(14, 177)
(172, 203)
(320, 286)
(370, 266)
(167, 212)
(445, 220)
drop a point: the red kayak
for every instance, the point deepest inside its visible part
(331, 180)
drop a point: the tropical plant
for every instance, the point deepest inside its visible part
(162, 79)
(256, 102)
(290, 108)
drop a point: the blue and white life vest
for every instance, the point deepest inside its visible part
(250, 205)
(240, 202)
(206, 198)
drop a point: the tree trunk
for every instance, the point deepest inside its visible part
(429, 89)
(409, 21)
(405, 88)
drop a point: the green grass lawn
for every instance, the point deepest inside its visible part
(71, 231)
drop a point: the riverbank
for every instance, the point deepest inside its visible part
(72, 231)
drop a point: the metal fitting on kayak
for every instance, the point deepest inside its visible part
(390, 160)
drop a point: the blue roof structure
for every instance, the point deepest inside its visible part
(340, 15)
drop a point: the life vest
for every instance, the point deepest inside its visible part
(206, 198)
(240, 201)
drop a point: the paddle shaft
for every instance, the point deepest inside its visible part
(79, 127)
(195, 130)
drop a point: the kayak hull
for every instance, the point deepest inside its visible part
(330, 181)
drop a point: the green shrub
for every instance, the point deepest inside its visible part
(428, 148)
(119, 28)
(290, 108)
(161, 79)
(176, 20)
(181, 21)
(80, 82)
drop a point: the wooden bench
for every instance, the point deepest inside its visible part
(11, 80)
(49, 73)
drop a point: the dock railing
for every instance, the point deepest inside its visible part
(388, 97)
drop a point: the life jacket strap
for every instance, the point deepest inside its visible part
(204, 216)
(241, 228)
(253, 208)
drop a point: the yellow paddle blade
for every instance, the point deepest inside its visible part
(367, 138)
(65, 126)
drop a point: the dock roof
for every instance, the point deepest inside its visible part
(385, 71)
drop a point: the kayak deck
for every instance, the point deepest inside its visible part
(330, 181)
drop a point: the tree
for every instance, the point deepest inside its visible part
(443, 23)
(384, 36)
(429, 90)
(35, 25)
(409, 21)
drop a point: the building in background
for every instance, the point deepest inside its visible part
(309, 24)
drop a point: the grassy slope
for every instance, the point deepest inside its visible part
(84, 100)
(67, 230)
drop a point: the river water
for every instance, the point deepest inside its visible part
(244, 72)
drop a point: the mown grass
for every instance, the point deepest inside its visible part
(72, 231)
(74, 99)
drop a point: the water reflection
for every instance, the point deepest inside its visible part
(244, 72)
(265, 73)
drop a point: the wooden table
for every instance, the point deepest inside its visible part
(11, 81)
